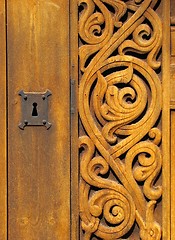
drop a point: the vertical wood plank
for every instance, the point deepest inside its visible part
(3, 161)
(166, 231)
(172, 174)
(74, 121)
(172, 118)
(39, 159)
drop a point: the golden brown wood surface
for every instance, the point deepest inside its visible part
(172, 12)
(39, 159)
(126, 89)
(173, 41)
(172, 125)
(172, 48)
(3, 155)
(166, 180)
(124, 110)
(172, 175)
(74, 120)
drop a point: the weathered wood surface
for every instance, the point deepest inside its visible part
(3, 140)
(172, 174)
(172, 119)
(124, 110)
(120, 130)
(74, 120)
(166, 177)
(39, 159)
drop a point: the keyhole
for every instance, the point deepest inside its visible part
(35, 112)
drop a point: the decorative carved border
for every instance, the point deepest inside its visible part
(120, 103)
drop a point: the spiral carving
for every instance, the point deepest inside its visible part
(112, 201)
(120, 101)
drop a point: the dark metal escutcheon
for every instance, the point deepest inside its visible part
(34, 109)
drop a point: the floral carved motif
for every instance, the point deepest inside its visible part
(120, 101)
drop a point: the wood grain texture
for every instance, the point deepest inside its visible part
(173, 41)
(172, 126)
(166, 231)
(41, 178)
(172, 82)
(172, 12)
(3, 155)
(39, 159)
(172, 174)
(120, 105)
(74, 121)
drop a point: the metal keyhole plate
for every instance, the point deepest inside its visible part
(34, 109)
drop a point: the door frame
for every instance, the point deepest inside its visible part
(166, 223)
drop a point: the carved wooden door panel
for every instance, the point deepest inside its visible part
(104, 169)
(124, 52)
(37, 166)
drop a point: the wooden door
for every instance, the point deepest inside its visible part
(38, 160)
(105, 168)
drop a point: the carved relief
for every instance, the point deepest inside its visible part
(120, 108)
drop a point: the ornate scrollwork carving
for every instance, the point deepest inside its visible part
(120, 100)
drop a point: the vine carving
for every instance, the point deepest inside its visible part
(120, 100)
